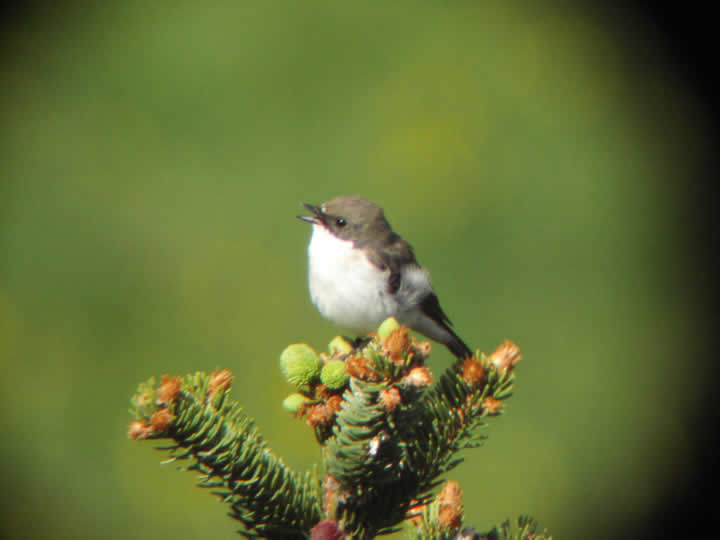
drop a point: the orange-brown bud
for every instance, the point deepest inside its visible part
(220, 379)
(169, 389)
(472, 371)
(318, 414)
(450, 513)
(506, 356)
(139, 431)
(359, 367)
(389, 398)
(418, 377)
(322, 391)
(334, 402)
(160, 420)
(450, 516)
(396, 345)
(491, 405)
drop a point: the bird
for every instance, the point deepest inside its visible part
(360, 272)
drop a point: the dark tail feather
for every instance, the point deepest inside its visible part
(457, 346)
(430, 306)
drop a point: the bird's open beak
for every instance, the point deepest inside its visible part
(316, 219)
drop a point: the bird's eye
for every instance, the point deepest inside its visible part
(340, 222)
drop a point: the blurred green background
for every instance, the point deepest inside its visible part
(155, 155)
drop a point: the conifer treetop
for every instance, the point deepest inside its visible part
(387, 430)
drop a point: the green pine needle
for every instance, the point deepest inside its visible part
(223, 444)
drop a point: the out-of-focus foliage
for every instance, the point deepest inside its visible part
(154, 156)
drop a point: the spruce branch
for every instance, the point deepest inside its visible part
(455, 409)
(387, 437)
(390, 440)
(223, 444)
(442, 520)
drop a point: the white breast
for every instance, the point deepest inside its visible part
(344, 286)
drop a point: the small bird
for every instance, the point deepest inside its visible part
(361, 273)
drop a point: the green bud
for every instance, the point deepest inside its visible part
(386, 328)
(340, 345)
(333, 374)
(293, 402)
(299, 364)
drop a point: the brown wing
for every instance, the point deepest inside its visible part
(393, 255)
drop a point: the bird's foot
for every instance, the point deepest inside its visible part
(359, 342)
